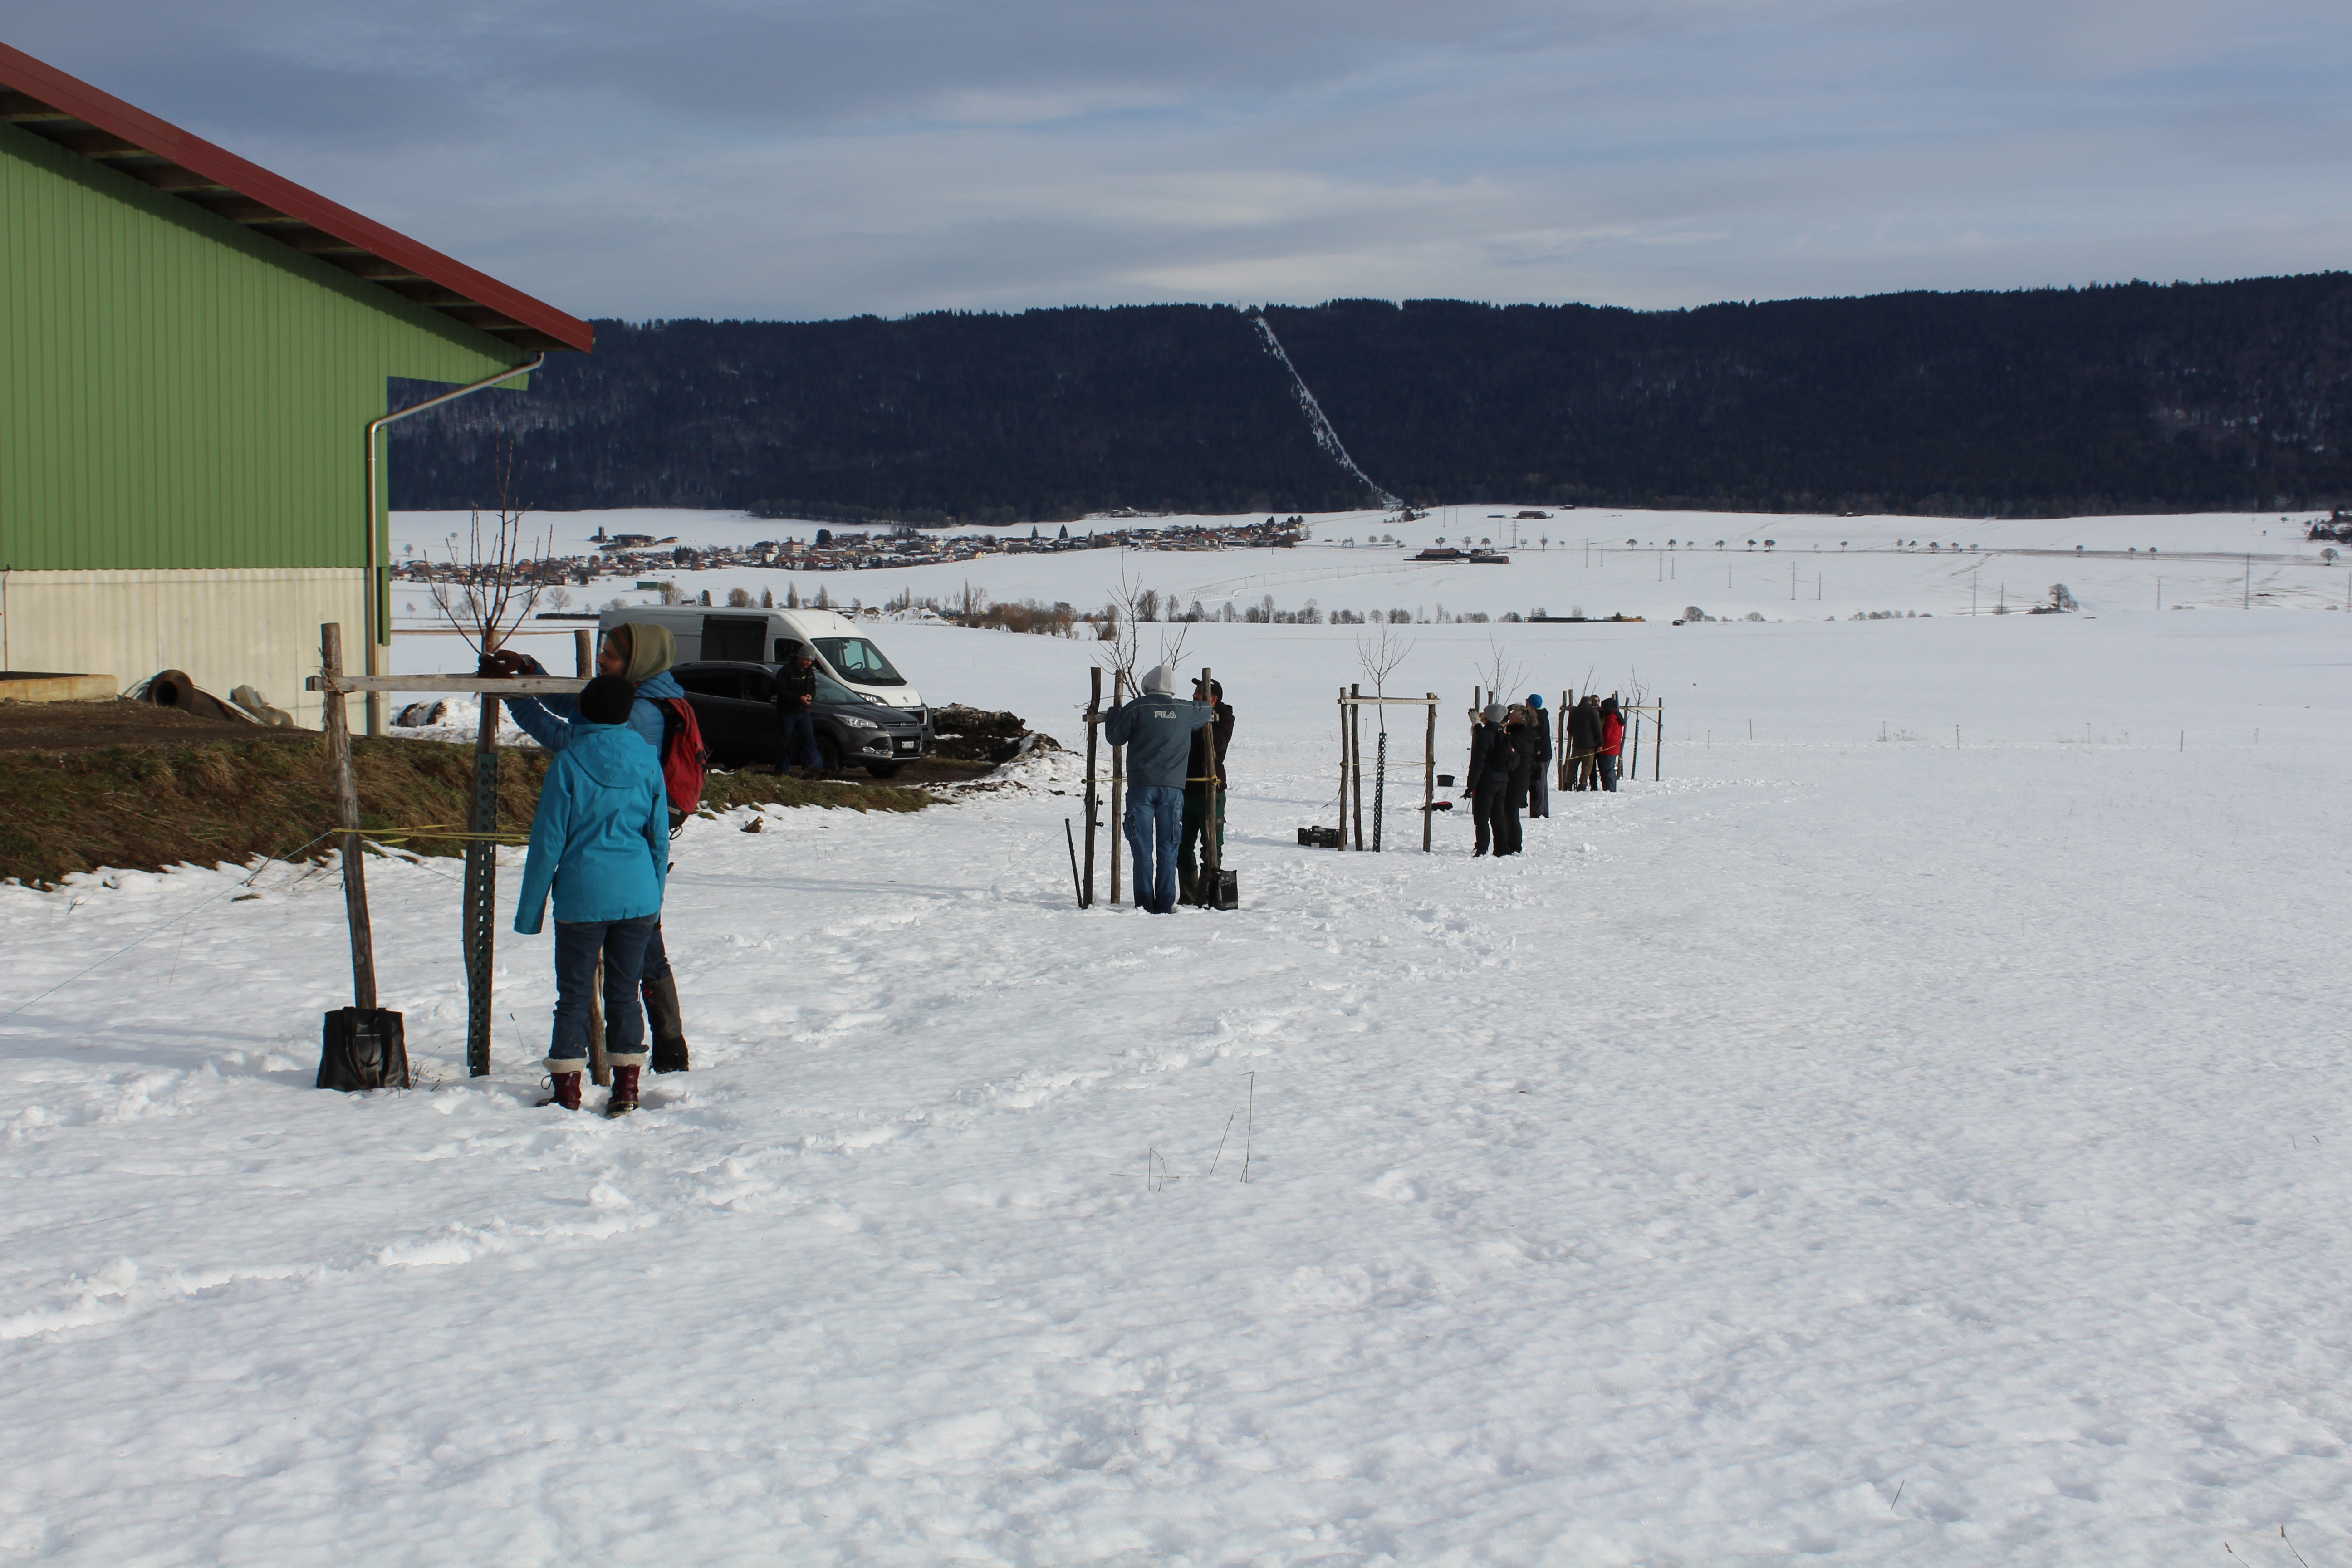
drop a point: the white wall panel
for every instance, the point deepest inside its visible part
(225, 627)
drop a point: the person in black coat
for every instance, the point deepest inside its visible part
(1494, 756)
(1191, 855)
(1540, 775)
(1519, 734)
(1584, 744)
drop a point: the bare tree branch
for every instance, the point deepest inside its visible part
(494, 587)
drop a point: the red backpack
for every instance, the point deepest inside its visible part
(683, 760)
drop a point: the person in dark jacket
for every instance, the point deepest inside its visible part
(640, 653)
(1584, 744)
(600, 844)
(1539, 772)
(1612, 743)
(1157, 730)
(1198, 775)
(1520, 732)
(1488, 786)
(796, 711)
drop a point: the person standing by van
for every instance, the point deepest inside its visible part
(796, 711)
(1157, 730)
(640, 653)
(600, 845)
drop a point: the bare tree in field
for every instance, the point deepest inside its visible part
(1380, 653)
(1503, 673)
(1120, 649)
(493, 584)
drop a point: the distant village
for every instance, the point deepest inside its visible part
(827, 551)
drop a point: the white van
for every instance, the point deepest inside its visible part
(765, 636)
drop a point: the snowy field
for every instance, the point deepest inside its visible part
(1575, 563)
(1911, 1130)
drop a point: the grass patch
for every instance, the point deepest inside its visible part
(146, 807)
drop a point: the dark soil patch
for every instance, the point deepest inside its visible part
(92, 726)
(180, 795)
(976, 734)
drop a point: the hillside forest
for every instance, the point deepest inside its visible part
(2050, 402)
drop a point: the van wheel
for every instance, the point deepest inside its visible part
(883, 770)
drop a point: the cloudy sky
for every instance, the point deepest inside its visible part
(812, 158)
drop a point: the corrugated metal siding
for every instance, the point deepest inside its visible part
(178, 393)
(223, 628)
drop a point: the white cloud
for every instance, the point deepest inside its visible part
(822, 158)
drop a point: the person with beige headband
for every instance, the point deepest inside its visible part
(640, 653)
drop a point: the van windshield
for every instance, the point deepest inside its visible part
(856, 660)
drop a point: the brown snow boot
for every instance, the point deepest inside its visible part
(664, 1023)
(563, 1085)
(625, 1091)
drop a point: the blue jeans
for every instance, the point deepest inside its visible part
(622, 945)
(1609, 772)
(796, 742)
(1155, 819)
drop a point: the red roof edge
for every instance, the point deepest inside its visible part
(23, 73)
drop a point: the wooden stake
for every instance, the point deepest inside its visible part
(600, 1069)
(1118, 783)
(1094, 797)
(1212, 852)
(1429, 774)
(481, 909)
(1634, 770)
(1560, 749)
(347, 817)
(1658, 743)
(1356, 749)
(1342, 821)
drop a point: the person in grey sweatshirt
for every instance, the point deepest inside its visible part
(1157, 730)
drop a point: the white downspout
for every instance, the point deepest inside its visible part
(377, 638)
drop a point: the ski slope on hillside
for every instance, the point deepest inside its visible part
(1909, 1131)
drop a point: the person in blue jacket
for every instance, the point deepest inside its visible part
(640, 653)
(600, 845)
(1157, 730)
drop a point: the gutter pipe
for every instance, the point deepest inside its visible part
(377, 638)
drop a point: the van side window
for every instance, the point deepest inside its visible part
(733, 637)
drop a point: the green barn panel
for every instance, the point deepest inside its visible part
(178, 392)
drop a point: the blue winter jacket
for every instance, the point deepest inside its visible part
(551, 721)
(600, 839)
(1158, 734)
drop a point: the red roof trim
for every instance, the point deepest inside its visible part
(24, 74)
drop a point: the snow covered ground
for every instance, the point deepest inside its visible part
(1925, 1149)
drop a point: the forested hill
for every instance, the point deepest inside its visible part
(2049, 402)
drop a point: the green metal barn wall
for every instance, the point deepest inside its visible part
(178, 393)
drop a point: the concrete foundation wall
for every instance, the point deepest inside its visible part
(226, 627)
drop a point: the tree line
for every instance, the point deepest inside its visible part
(2039, 402)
